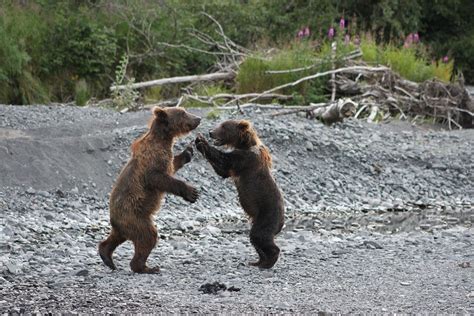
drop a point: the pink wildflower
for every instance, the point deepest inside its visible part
(445, 59)
(300, 34)
(306, 31)
(342, 23)
(416, 37)
(331, 33)
(408, 40)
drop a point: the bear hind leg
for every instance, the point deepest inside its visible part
(261, 255)
(107, 247)
(144, 244)
(272, 252)
(265, 246)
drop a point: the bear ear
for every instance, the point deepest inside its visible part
(244, 125)
(160, 114)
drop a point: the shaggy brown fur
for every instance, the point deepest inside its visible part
(142, 183)
(249, 165)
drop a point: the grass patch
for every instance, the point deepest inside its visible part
(81, 93)
(253, 76)
(411, 63)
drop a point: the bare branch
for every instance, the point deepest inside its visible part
(181, 79)
(321, 74)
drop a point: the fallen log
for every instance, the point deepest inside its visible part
(172, 80)
(328, 113)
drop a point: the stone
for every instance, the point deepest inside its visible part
(44, 194)
(83, 272)
(13, 268)
(188, 225)
(212, 230)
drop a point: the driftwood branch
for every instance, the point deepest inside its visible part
(181, 79)
(328, 113)
(282, 97)
(300, 109)
(212, 100)
(352, 55)
(322, 74)
(333, 75)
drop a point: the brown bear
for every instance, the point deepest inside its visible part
(249, 165)
(142, 183)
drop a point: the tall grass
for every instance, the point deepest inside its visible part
(253, 74)
(20, 36)
(410, 62)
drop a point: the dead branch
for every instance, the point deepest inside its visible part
(180, 79)
(300, 109)
(352, 55)
(333, 75)
(321, 74)
(254, 105)
(282, 97)
(328, 113)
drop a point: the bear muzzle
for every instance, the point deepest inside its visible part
(196, 120)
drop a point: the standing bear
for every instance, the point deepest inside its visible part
(142, 183)
(249, 165)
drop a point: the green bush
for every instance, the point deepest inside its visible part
(20, 32)
(411, 63)
(253, 74)
(81, 93)
(49, 45)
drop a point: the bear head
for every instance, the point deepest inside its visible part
(173, 121)
(235, 133)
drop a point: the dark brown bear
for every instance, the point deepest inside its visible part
(249, 165)
(142, 183)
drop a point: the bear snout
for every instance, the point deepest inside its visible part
(195, 122)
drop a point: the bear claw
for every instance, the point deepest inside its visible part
(191, 195)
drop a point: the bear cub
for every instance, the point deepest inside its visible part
(248, 164)
(142, 183)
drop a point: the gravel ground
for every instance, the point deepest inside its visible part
(379, 219)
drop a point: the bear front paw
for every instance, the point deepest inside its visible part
(188, 153)
(191, 194)
(201, 143)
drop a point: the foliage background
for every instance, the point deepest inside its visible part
(61, 50)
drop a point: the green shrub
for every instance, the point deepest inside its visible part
(370, 51)
(81, 93)
(127, 97)
(411, 63)
(253, 74)
(19, 83)
(49, 45)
